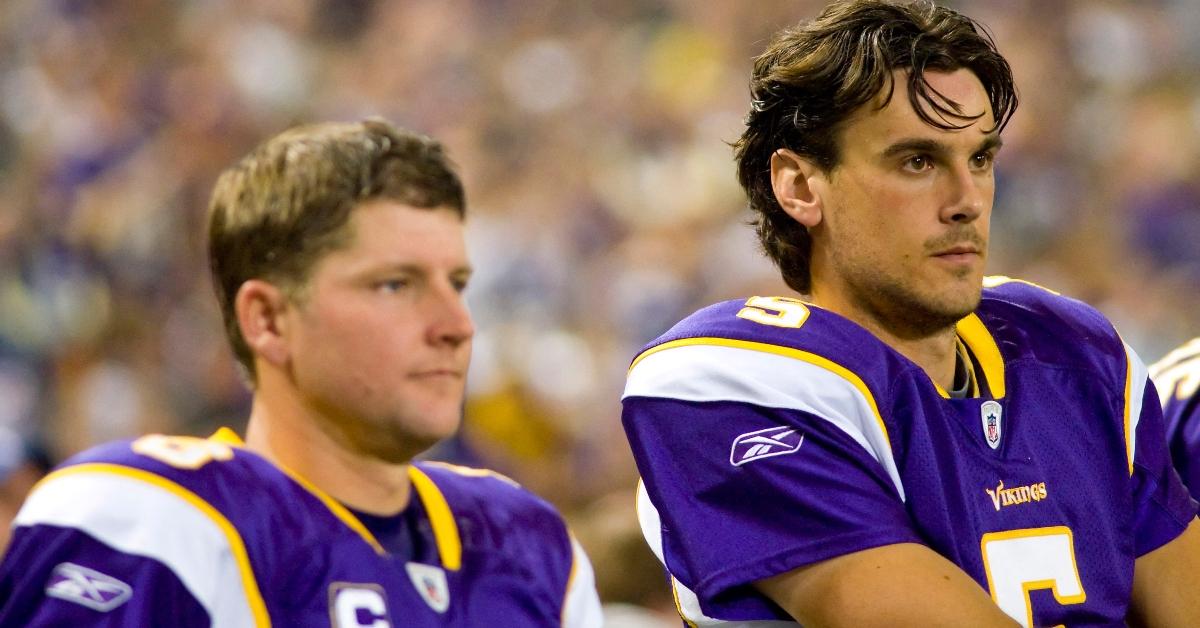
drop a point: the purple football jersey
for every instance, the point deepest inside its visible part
(1177, 377)
(179, 531)
(771, 434)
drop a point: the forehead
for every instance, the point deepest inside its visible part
(388, 230)
(370, 217)
(883, 119)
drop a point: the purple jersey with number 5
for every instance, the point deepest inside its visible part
(771, 435)
(188, 532)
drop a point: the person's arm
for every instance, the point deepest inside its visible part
(1166, 582)
(62, 577)
(898, 585)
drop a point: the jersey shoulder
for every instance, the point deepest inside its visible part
(228, 478)
(178, 484)
(492, 500)
(765, 332)
(492, 517)
(766, 356)
(1032, 322)
(774, 320)
(213, 516)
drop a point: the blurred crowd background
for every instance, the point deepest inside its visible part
(593, 138)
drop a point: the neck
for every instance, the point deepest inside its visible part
(932, 350)
(288, 433)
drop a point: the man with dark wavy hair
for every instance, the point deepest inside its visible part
(908, 443)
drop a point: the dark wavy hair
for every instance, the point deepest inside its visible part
(285, 205)
(813, 77)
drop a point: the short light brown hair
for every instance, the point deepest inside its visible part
(813, 77)
(287, 203)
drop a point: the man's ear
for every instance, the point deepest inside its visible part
(799, 186)
(261, 308)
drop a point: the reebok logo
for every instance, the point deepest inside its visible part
(87, 587)
(773, 441)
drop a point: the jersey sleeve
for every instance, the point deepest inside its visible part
(755, 464)
(581, 606)
(1162, 505)
(61, 576)
(111, 545)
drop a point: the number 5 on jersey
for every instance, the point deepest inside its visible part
(1020, 561)
(183, 452)
(775, 311)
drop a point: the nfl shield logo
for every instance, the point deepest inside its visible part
(991, 412)
(431, 584)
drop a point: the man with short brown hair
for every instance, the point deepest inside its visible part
(338, 256)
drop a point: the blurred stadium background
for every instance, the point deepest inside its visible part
(602, 201)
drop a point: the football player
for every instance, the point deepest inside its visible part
(338, 258)
(909, 443)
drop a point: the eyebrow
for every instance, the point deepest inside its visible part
(418, 269)
(922, 145)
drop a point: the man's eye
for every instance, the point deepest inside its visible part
(391, 285)
(982, 160)
(917, 163)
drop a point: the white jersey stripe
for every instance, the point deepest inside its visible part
(581, 607)
(140, 516)
(1138, 376)
(702, 372)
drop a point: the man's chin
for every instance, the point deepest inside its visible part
(399, 443)
(942, 311)
(954, 312)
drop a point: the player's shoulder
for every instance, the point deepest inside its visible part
(494, 515)
(158, 478)
(483, 493)
(1038, 322)
(201, 509)
(764, 320)
(215, 469)
(1028, 304)
(755, 350)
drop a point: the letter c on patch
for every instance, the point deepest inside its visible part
(352, 605)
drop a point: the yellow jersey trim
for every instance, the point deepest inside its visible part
(229, 437)
(258, 607)
(977, 337)
(471, 472)
(797, 354)
(1126, 417)
(445, 530)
